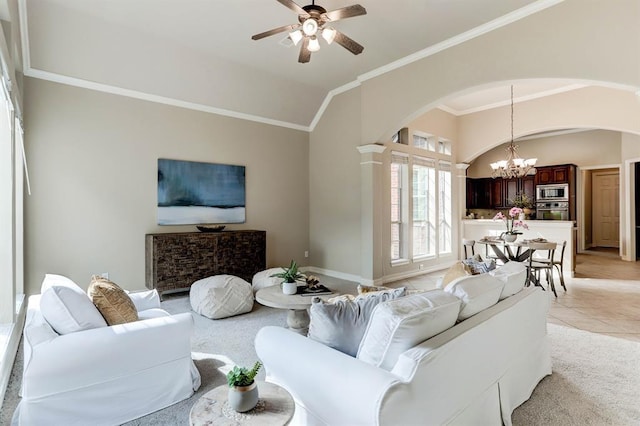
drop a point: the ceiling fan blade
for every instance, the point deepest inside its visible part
(348, 43)
(293, 6)
(275, 31)
(305, 53)
(345, 12)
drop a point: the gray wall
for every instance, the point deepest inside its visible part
(93, 165)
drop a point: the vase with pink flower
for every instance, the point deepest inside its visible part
(512, 222)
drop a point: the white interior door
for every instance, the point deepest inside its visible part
(606, 209)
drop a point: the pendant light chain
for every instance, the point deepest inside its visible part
(513, 166)
(512, 114)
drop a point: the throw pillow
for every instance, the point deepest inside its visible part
(398, 325)
(66, 307)
(478, 266)
(457, 270)
(342, 324)
(113, 302)
(363, 289)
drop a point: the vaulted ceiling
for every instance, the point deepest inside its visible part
(199, 53)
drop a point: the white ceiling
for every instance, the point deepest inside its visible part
(199, 53)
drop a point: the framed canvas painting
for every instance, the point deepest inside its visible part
(191, 192)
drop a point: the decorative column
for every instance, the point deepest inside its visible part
(371, 179)
(461, 173)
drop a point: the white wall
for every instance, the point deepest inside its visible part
(334, 178)
(563, 41)
(93, 163)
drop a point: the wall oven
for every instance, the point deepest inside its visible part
(553, 192)
(558, 210)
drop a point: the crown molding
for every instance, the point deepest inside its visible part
(500, 22)
(77, 82)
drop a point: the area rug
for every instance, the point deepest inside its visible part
(595, 380)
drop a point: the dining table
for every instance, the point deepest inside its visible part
(517, 251)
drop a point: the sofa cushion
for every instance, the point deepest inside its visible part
(66, 307)
(513, 275)
(113, 302)
(477, 293)
(342, 324)
(398, 325)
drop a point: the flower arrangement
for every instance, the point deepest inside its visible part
(511, 222)
(522, 200)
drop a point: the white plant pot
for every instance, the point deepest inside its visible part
(289, 288)
(243, 398)
(509, 237)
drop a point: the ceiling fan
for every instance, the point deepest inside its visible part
(313, 22)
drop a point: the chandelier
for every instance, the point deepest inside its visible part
(513, 166)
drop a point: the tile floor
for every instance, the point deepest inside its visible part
(603, 297)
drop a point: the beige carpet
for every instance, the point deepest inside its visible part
(596, 379)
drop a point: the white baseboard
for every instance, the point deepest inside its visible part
(8, 353)
(336, 274)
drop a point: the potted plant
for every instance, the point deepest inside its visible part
(289, 277)
(510, 221)
(243, 391)
(524, 202)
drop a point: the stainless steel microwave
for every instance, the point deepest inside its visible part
(552, 192)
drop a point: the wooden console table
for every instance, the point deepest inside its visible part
(176, 260)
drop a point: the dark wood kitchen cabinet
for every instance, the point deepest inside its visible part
(515, 186)
(490, 193)
(564, 173)
(478, 193)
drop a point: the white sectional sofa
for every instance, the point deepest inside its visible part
(475, 372)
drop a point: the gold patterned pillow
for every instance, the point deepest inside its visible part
(364, 289)
(113, 302)
(459, 269)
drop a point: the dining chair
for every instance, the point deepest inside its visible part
(471, 244)
(557, 263)
(536, 265)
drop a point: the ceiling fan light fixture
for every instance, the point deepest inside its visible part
(310, 27)
(296, 36)
(314, 45)
(329, 34)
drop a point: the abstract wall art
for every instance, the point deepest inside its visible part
(191, 192)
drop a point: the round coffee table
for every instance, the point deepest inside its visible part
(298, 316)
(275, 407)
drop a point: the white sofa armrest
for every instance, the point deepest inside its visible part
(140, 345)
(144, 300)
(336, 388)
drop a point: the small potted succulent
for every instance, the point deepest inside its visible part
(290, 276)
(243, 390)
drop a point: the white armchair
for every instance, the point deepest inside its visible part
(106, 375)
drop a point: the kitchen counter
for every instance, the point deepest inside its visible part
(552, 230)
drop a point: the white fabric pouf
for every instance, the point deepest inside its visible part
(221, 296)
(264, 279)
